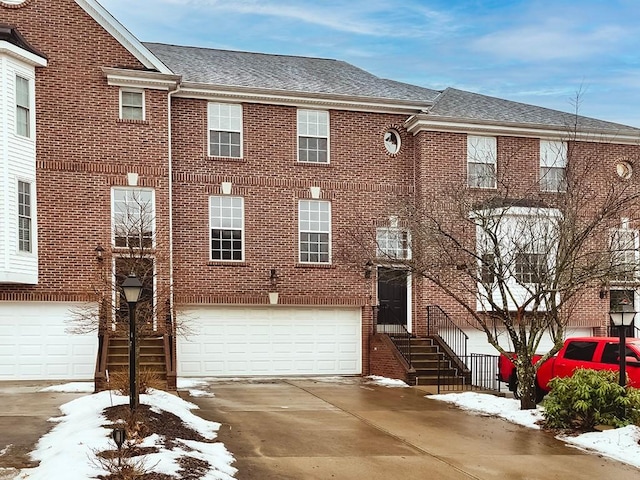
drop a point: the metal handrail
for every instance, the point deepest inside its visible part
(396, 330)
(439, 323)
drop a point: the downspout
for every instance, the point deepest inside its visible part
(170, 173)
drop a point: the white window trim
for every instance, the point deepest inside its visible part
(240, 131)
(144, 109)
(113, 212)
(329, 237)
(624, 228)
(397, 231)
(473, 141)
(327, 136)
(31, 107)
(242, 232)
(32, 217)
(558, 148)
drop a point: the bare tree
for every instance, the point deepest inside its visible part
(518, 260)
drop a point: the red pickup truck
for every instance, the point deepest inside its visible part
(597, 353)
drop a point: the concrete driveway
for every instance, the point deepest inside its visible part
(348, 429)
(24, 414)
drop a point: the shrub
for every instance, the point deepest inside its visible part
(147, 379)
(590, 398)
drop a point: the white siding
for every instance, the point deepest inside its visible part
(17, 163)
(478, 340)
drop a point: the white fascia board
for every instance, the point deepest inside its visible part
(120, 77)
(122, 35)
(424, 122)
(22, 55)
(227, 93)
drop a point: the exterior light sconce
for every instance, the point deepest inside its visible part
(273, 277)
(602, 293)
(99, 250)
(368, 268)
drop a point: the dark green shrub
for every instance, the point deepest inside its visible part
(590, 398)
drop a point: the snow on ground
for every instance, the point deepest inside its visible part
(620, 444)
(72, 387)
(66, 452)
(386, 382)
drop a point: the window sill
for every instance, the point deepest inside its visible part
(226, 263)
(313, 164)
(315, 265)
(131, 121)
(225, 159)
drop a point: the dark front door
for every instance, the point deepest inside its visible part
(392, 296)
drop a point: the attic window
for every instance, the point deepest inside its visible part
(132, 104)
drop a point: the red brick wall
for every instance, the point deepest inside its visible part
(82, 148)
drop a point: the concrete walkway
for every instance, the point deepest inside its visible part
(311, 429)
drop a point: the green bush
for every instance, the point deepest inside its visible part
(590, 398)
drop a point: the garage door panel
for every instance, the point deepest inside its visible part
(271, 341)
(34, 343)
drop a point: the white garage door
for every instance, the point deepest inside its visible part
(35, 346)
(274, 341)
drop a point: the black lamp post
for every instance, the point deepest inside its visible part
(132, 287)
(622, 319)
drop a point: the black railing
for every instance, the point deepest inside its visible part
(439, 323)
(480, 373)
(386, 321)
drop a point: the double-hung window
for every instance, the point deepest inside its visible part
(553, 166)
(314, 227)
(133, 211)
(23, 107)
(226, 216)
(313, 136)
(393, 243)
(225, 130)
(624, 253)
(530, 268)
(132, 105)
(481, 161)
(24, 217)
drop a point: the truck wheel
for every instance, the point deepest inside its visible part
(513, 385)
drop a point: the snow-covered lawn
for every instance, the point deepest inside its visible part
(620, 444)
(68, 450)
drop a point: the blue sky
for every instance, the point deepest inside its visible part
(543, 52)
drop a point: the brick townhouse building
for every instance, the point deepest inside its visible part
(243, 188)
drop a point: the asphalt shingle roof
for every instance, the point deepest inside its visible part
(473, 106)
(284, 73)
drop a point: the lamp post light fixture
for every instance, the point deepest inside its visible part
(119, 435)
(623, 318)
(132, 286)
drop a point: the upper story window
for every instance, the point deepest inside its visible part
(225, 130)
(314, 228)
(24, 216)
(133, 219)
(553, 166)
(313, 136)
(530, 268)
(23, 107)
(132, 105)
(481, 161)
(226, 216)
(393, 243)
(624, 253)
